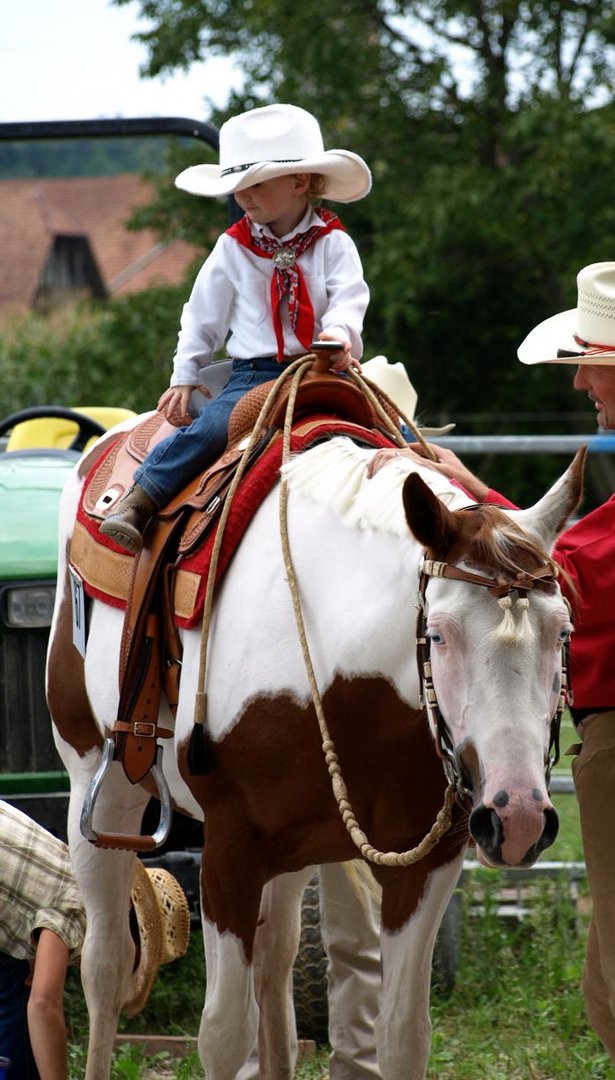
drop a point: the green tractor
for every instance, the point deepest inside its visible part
(38, 449)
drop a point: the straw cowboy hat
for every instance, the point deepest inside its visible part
(393, 380)
(162, 918)
(276, 140)
(585, 335)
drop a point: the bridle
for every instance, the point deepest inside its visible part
(519, 586)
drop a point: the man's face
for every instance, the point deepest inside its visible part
(599, 382)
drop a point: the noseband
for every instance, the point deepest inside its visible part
(519, 586)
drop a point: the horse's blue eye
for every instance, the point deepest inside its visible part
(435, 637)
(564, 635)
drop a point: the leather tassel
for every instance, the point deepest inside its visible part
(200, 753)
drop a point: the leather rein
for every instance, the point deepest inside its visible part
(520, 586)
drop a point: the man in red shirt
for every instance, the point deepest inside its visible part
(584, 336)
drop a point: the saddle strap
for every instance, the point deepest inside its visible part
(136, 730)
(172, 646)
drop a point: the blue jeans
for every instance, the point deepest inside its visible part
(178, 458)
(14, 1037)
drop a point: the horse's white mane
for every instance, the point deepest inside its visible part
(335, 473)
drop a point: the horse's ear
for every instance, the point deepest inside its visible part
(547, 518)
(429, 520)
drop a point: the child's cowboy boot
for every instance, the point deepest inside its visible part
(126, 524)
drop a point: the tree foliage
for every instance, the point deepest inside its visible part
(489, 126)
(115, 354)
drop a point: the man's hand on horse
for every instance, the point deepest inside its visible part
(446, 462)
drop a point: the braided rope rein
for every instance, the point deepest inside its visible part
(340, 791)
(392, 429)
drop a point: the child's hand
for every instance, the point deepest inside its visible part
(340, 360)
(174, 404)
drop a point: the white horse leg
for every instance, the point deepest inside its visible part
(105, 878)
(275, 949)
(229, 1022)
(403, 1034)
(231, 1001)
(350, 924)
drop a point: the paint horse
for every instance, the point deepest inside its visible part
(326, 733)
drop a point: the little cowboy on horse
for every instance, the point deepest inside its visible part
(282, 275)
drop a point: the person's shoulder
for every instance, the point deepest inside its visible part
(595, 526)
(12, 815)
(224, 242)
(19, 830)
(220, 259)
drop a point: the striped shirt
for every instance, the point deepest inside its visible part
(38, 889)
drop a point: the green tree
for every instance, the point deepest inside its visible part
(114, 354)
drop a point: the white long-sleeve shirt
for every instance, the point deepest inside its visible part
(231, 301)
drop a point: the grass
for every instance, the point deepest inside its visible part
(516, 1011)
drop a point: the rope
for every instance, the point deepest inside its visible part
(200, 701)
(393, 430)
(340, 791)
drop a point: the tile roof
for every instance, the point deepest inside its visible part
(33, 212)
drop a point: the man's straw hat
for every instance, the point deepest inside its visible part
(162, 917)
(586, 334)
(276, 140)
(393, 380)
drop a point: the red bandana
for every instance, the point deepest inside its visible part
(287, 279)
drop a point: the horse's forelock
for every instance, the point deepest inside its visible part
(490, 539)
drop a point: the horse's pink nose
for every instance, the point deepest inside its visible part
(514, 831)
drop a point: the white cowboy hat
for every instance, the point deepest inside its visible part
(586, 333)
(162, 917)
(393, 380)
(276, 140)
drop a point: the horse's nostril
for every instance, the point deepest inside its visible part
(486, 827)
(551, 829)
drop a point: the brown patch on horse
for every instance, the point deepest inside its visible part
(270, 809)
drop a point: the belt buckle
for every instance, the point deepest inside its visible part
(144, 729)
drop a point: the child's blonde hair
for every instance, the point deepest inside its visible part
(317, 186)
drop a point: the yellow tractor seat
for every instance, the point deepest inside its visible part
(57, 433)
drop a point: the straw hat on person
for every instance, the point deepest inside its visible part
(276, 140)
(583, 335)
(162, 918)
(393, 380)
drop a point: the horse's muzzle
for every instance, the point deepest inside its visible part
(487, 828)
